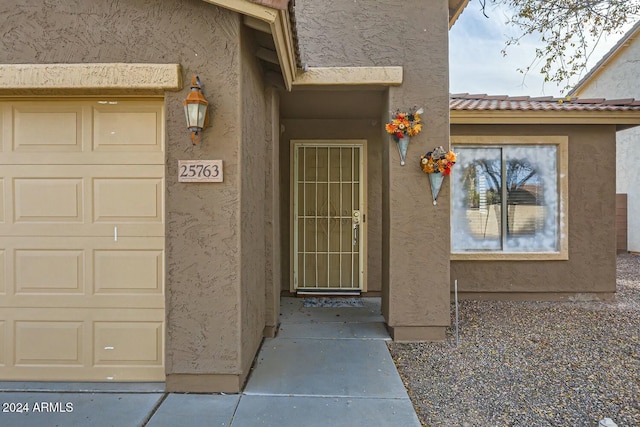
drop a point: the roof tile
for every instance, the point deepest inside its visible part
(626, 101)
(483, 102)
(543, 98)
(588, 100)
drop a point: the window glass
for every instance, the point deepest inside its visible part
(505, 198)
(477, 212)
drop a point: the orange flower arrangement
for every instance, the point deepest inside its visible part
(405, 124)
(438, 161)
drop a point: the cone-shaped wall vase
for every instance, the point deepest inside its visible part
(403, 145)
(436, 182)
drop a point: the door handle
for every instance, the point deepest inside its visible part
(355, 219)
(356, 228)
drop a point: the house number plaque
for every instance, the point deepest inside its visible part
(199, 170)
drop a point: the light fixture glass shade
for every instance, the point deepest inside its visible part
(195, 114)
(195, 110)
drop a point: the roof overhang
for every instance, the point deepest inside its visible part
(273, 17)
(455, 9)
(505, 110)
(621, 119)
(349, 77)
(274, 20)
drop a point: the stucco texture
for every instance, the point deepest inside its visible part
(205, 280)
(415, 240)
(590, 270)
(619, 80)
(254, 164)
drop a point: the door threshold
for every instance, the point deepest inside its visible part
(356, 293)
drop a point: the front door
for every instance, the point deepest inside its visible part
(328, 221)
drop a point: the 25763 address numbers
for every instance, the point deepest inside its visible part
(199, 170)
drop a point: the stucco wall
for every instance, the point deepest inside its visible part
(203, 271)
(254, 163)
(591, 268)
(414, 35)
(619, 80)
(273, 191)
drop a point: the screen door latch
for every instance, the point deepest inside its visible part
(355, 219)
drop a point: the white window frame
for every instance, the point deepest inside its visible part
(562, 144)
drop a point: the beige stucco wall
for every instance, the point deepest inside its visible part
(591, 268)
(273, 203)
(254, 163)
(619, 80)
(415, 240)
(214, 303)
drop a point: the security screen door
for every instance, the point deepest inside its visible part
(328, 217)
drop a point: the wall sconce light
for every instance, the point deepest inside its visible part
(195, 111)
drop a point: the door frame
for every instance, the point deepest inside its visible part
(364, 210)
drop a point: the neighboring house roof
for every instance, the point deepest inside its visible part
(455, 9)
(484, 109)
(547, 103)
(615, 51)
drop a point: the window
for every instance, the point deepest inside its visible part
(509, 198)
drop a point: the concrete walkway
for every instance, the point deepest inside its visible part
(327, 367)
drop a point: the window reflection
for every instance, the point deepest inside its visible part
(505, 198)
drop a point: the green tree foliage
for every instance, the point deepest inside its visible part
(569, 30)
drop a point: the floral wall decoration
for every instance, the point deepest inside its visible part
(402, 127)
(437, 164)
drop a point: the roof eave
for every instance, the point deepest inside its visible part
(501, 117)
(279, 23)
(285, 47)
(276, 15)
(248, 8)
(455, 9)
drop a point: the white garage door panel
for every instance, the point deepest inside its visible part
(74, 200)
(58, 343)
(128, 272)
(96, 131)
(136, 129)
(48, 200)
(106, 345)
(82, 272)
(82, 240)
(39, 128)
(127, 343)
(49, 271)
(118, 200)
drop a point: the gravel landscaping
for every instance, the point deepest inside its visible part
(533, 363)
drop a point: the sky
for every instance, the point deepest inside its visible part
(478, 66)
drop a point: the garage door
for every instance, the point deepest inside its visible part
(82, 240)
